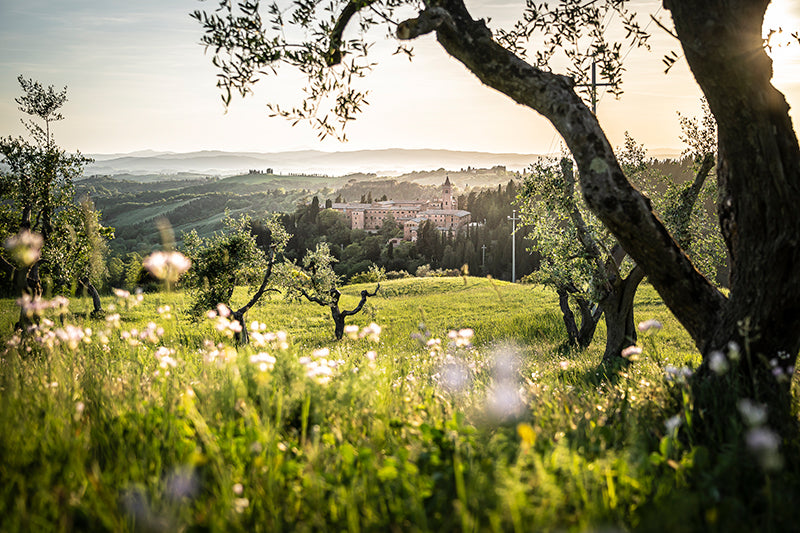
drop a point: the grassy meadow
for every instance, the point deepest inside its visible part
(458, 412)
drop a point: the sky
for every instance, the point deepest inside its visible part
(138, 79)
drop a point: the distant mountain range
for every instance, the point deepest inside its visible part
(386, 162)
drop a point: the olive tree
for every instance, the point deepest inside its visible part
(315, 280)
(758, 168)
(585, 263)
(233, 257)
(38, 187)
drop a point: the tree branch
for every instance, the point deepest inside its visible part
(313, 298)
(621, 208)
(427, 21)
(589, 243)
(334, 55)
(364, 295)
(262, 289)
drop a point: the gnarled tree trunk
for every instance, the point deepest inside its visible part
(97, 305)
(243, 337)
(338, 315)
(618, 310)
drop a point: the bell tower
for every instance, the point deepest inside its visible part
(447, 195)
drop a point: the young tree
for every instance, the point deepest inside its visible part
(317, 282)
(758, 171)
(39, 188)
(229, 258)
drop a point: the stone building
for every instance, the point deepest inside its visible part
(408, 215)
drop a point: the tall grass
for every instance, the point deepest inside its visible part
(150, 421)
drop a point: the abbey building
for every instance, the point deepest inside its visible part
(408, 215)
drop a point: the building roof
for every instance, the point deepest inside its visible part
(454, 212)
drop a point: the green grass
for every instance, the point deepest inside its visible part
(510, 433)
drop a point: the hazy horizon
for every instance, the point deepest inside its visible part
(138, 80)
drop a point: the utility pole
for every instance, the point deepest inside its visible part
(594, 85)
(483, 258)
(513, 220)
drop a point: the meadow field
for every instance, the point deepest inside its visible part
(449, 406)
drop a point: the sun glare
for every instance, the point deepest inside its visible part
(784, 20)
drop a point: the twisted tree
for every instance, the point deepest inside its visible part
(234, 257)
(316, 281)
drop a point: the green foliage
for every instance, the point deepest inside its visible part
(80, 251)
(314, 275)
(228, 258)
(249, 41)
(375, 274)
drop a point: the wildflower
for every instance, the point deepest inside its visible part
(25, 247)
(371, 356)
(371, 332)
(238, 489)
(733, 351)
(223, 311)
(167, 266)
(563, 364)
(652, 325)
(321, 352)
(113, 320)
(764, 443)
(672, 424)
(320, 371)
(79, 408)
(631, 352)
(753, 414)
(120, 293)
(679, 375)
(504, 400)
(165, 311)
(718, 363)
(264, 361)
(351, 331)
(240, 504)
(165, 359)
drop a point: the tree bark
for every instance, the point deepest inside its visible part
(338, 315)
(578, 337)
(568, 316)
(758, 173)
(618, 309)
(590, 317)
(96, 303)
(243, 337)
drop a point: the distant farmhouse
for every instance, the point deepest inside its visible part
(408, 215)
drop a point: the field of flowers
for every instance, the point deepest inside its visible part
(448, 406)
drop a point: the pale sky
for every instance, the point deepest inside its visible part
(138, 79)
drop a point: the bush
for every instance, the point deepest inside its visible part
(398, 274)
(375, 274)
